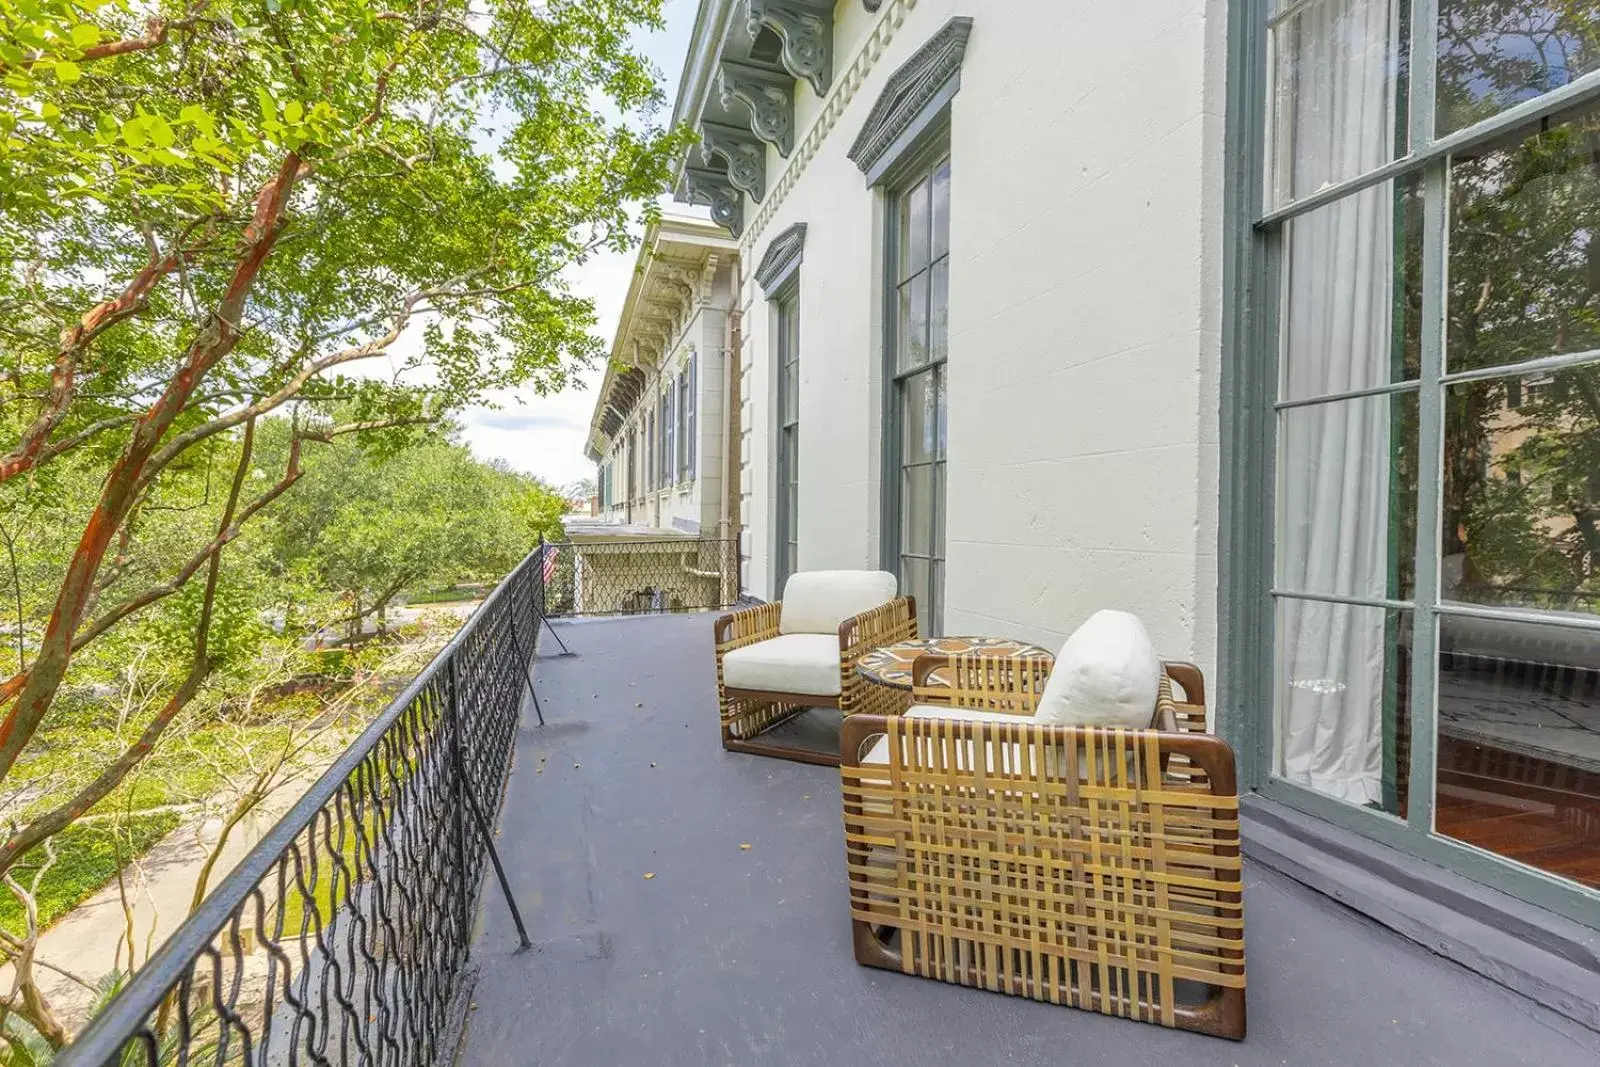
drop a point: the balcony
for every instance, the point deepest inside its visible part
(683, 905)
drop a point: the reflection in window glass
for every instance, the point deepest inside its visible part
(1339, 71)
(1522, 492)
(1494, 54)
(1343, 701)
(1525, 248)
(1519, 742)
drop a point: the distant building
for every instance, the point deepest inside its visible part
(660, 435)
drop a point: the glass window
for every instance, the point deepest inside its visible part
(788, 495)
(1524, 259)
(1493, 54)
(1518, 750)
(1343, 700)
(1338, 75)
(686, 407)
(1347, 493)
(1474, 403)
(920, 344)
(1352, 293)
(1521, 497)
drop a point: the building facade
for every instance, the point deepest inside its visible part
(660, 434)
(1277, 324)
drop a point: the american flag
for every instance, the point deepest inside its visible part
(549, 561)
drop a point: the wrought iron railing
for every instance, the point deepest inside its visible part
(342, 937)
(637, 577)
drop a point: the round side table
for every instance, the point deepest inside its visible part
(890, 666)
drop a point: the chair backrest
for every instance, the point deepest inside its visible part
(1127, 867)
(817, 602)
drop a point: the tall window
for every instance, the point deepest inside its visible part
(1437, 518)
(669, 436)
(687, 438)
(788, 554)
(649, 451)
(919, 276)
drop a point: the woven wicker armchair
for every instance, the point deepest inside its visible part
(1086, 866)
(747, 713)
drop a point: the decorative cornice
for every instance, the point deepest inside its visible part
(769, 96)
(890, 18)
(713, 189)
(806, 28)
(908, 90)
(744, 153)
(782, 254)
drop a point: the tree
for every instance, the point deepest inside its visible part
(211, 211)
(1521, 496)
(374, 527)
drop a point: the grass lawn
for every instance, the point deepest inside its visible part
(86, 859)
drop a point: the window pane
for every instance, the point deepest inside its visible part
(941, 210)
(1519, 742)
(918, 418)
(1521, 519)
(1525, 248)
(914, 581)
(941, 409)
(930, 620)
(1343, 701)
(939, 311)
(1338, 76)
(940, 517)
(791, 392)
(913, 230)
(1347, 492)
(916, 510)
(1352, 318)
(1493, 54)
(912, 331)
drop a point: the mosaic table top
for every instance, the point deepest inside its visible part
(891, 664)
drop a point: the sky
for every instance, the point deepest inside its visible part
(545, 436)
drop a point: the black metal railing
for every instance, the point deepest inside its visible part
(342, 937)
(637, 577)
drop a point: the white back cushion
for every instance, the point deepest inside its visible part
(1108, 674)
(816, 602)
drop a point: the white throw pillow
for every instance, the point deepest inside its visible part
(1108, 674)
(816, 602)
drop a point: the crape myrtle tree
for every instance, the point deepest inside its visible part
(213, 211)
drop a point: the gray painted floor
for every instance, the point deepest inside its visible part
(733, 956)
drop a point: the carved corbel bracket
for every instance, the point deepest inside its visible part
(769, 97)
(742, 150)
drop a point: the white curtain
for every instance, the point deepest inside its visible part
(1335, 458)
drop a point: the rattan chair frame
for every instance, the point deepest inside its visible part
(747, 714)
(1098, 869)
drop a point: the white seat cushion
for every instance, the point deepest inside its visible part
(816, 602)
(1108, 674)
(879, 753)
(791, 663)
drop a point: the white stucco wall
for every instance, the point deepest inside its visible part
(1085, 300)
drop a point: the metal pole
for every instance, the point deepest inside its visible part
(471, 799)
(527, 665)
(541, 615)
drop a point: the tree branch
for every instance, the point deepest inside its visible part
(53, 822)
